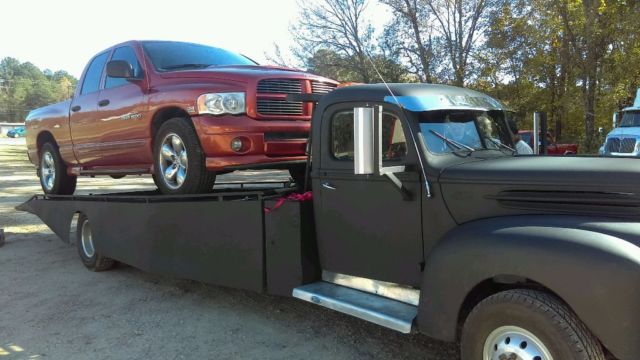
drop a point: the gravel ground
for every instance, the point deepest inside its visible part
(52, 307)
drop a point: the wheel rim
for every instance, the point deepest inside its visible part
(514, 343)
(173, 160)
(87, 240)
(47, 171)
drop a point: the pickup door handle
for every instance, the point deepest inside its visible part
(75, 108)
(104, 102)
(328, 185)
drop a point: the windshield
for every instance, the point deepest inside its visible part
(446, 131)
(630, 119)
(172, 56)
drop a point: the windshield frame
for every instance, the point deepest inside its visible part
(164, 68)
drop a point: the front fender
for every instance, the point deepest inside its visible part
(592, 263)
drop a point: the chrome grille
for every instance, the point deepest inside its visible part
(620, 145)
(280, 86)
(279, 107)
(318, 87)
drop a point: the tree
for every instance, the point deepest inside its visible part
(460, 24)
(338, 26)
(410, 35)
(24, 87)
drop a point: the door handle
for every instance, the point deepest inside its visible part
(75, 108)
(327, 185)
(104, 102)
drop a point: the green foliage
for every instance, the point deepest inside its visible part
(24, 87)
(577, 60)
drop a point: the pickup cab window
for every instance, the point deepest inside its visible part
(172, 56)
(124, 53)
(394, 143)
(93, 76)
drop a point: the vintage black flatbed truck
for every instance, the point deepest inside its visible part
(422, 219)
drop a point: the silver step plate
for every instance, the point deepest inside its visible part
(398, 292)
(379, 310)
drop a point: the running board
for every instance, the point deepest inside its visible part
(379, 310)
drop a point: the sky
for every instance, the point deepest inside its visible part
(65, 34)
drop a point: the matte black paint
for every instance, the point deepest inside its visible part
(488, 216)
(291, 249)
(593, 264)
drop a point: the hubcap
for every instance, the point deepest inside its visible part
(173, 161)
(87, 240)
(514, 343)
(47, 171)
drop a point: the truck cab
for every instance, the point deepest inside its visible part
(624, 139)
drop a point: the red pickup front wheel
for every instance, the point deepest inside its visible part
(53, 172)
(180, 166)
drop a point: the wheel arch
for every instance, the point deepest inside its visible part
(167, 113)
(44, 137)
(549, 253)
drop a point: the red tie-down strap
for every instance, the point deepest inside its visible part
(307, 196)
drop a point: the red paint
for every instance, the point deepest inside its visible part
(553, 148)
(97, 138)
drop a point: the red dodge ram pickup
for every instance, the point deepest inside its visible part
(180, 111)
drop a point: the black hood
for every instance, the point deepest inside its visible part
(540, 184)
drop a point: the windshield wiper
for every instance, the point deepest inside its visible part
(185, 66)
(455, 144)
(499, 144)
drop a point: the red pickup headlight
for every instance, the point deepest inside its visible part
(222, 103)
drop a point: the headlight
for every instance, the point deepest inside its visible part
(221, 103)
(637, 146)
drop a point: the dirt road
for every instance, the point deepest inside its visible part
(51, 307)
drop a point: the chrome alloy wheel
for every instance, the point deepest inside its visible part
(47, 171)
(514, 343)
(87, 240)
(173, 161)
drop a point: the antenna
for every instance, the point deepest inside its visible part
(381, 78)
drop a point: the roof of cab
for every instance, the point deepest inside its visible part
(415, 97)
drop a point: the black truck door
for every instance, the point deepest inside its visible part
(365, 227)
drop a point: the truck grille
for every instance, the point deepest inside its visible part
(280, 86)
(271, 96)
(279, 107)
(318, 87)
(620, 145)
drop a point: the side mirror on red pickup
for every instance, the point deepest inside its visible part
(119, 69)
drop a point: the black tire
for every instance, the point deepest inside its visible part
(92, 260)
(552, 322)
(198, 180)
(62, 183)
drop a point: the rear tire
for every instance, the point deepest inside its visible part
(529, 325)
(85, 244)
(53, 172)
(180, 165)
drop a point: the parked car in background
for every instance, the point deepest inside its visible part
(553, 148)
(17, 132)
(180, 111)
(624, 139)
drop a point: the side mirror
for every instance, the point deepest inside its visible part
(119, 69)
(367, 141)
(616, 117)
(601, 131)
(364, 141)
